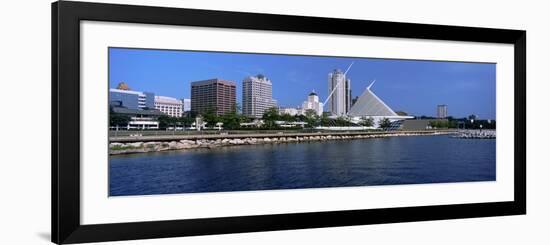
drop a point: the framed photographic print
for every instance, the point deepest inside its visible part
(176, 122)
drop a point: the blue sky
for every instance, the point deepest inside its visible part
(415, 87)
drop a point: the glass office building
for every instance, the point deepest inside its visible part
(132, 99)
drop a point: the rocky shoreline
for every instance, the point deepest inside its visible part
(117, 148)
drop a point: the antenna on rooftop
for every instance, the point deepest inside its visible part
(334, 89)
(349, 67)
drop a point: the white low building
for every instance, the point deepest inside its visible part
(139, 119)
(256, 123)
(289, 110)
(285, 124)
(170, 106)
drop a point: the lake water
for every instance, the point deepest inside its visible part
(361, 162)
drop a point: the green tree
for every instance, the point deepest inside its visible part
(287, 117)
(311, 118)
(366, 121)
(384, 123)
(270, 116)
(452, 124)
(325, 121)
(341, 122)
(184, 121)
(441, 124)
(210, 117)
(166, 121)
(232, 120)
(117, 120)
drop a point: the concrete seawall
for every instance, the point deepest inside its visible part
(476, 134)
(148, 138)
(142, 144)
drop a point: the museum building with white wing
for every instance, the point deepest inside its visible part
(369, 105)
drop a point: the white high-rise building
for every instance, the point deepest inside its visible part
(340, 101)
(312, 103)
(441, 111)
(169, 106)
(186, 104)
(257, 96)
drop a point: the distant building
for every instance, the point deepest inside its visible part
(139, 119)
(312, 103)
(289, 110)
(339, 103)
(420, 124)
(214, 94)
(257, 96)
(186, 104)
(441, 111)
(169, 106)
(138, 106)
(132, 99)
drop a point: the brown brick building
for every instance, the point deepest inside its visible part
(216, 94)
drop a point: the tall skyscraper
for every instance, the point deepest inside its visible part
(312, 103)
(441, 111)
(213, 94)
(340, 101)
(257, 96)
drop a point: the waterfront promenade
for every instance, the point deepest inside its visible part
(139, 137)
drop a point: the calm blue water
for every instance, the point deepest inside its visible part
(384, 161)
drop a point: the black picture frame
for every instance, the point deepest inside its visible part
(65, 167)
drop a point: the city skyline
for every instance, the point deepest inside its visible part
(405, 85)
